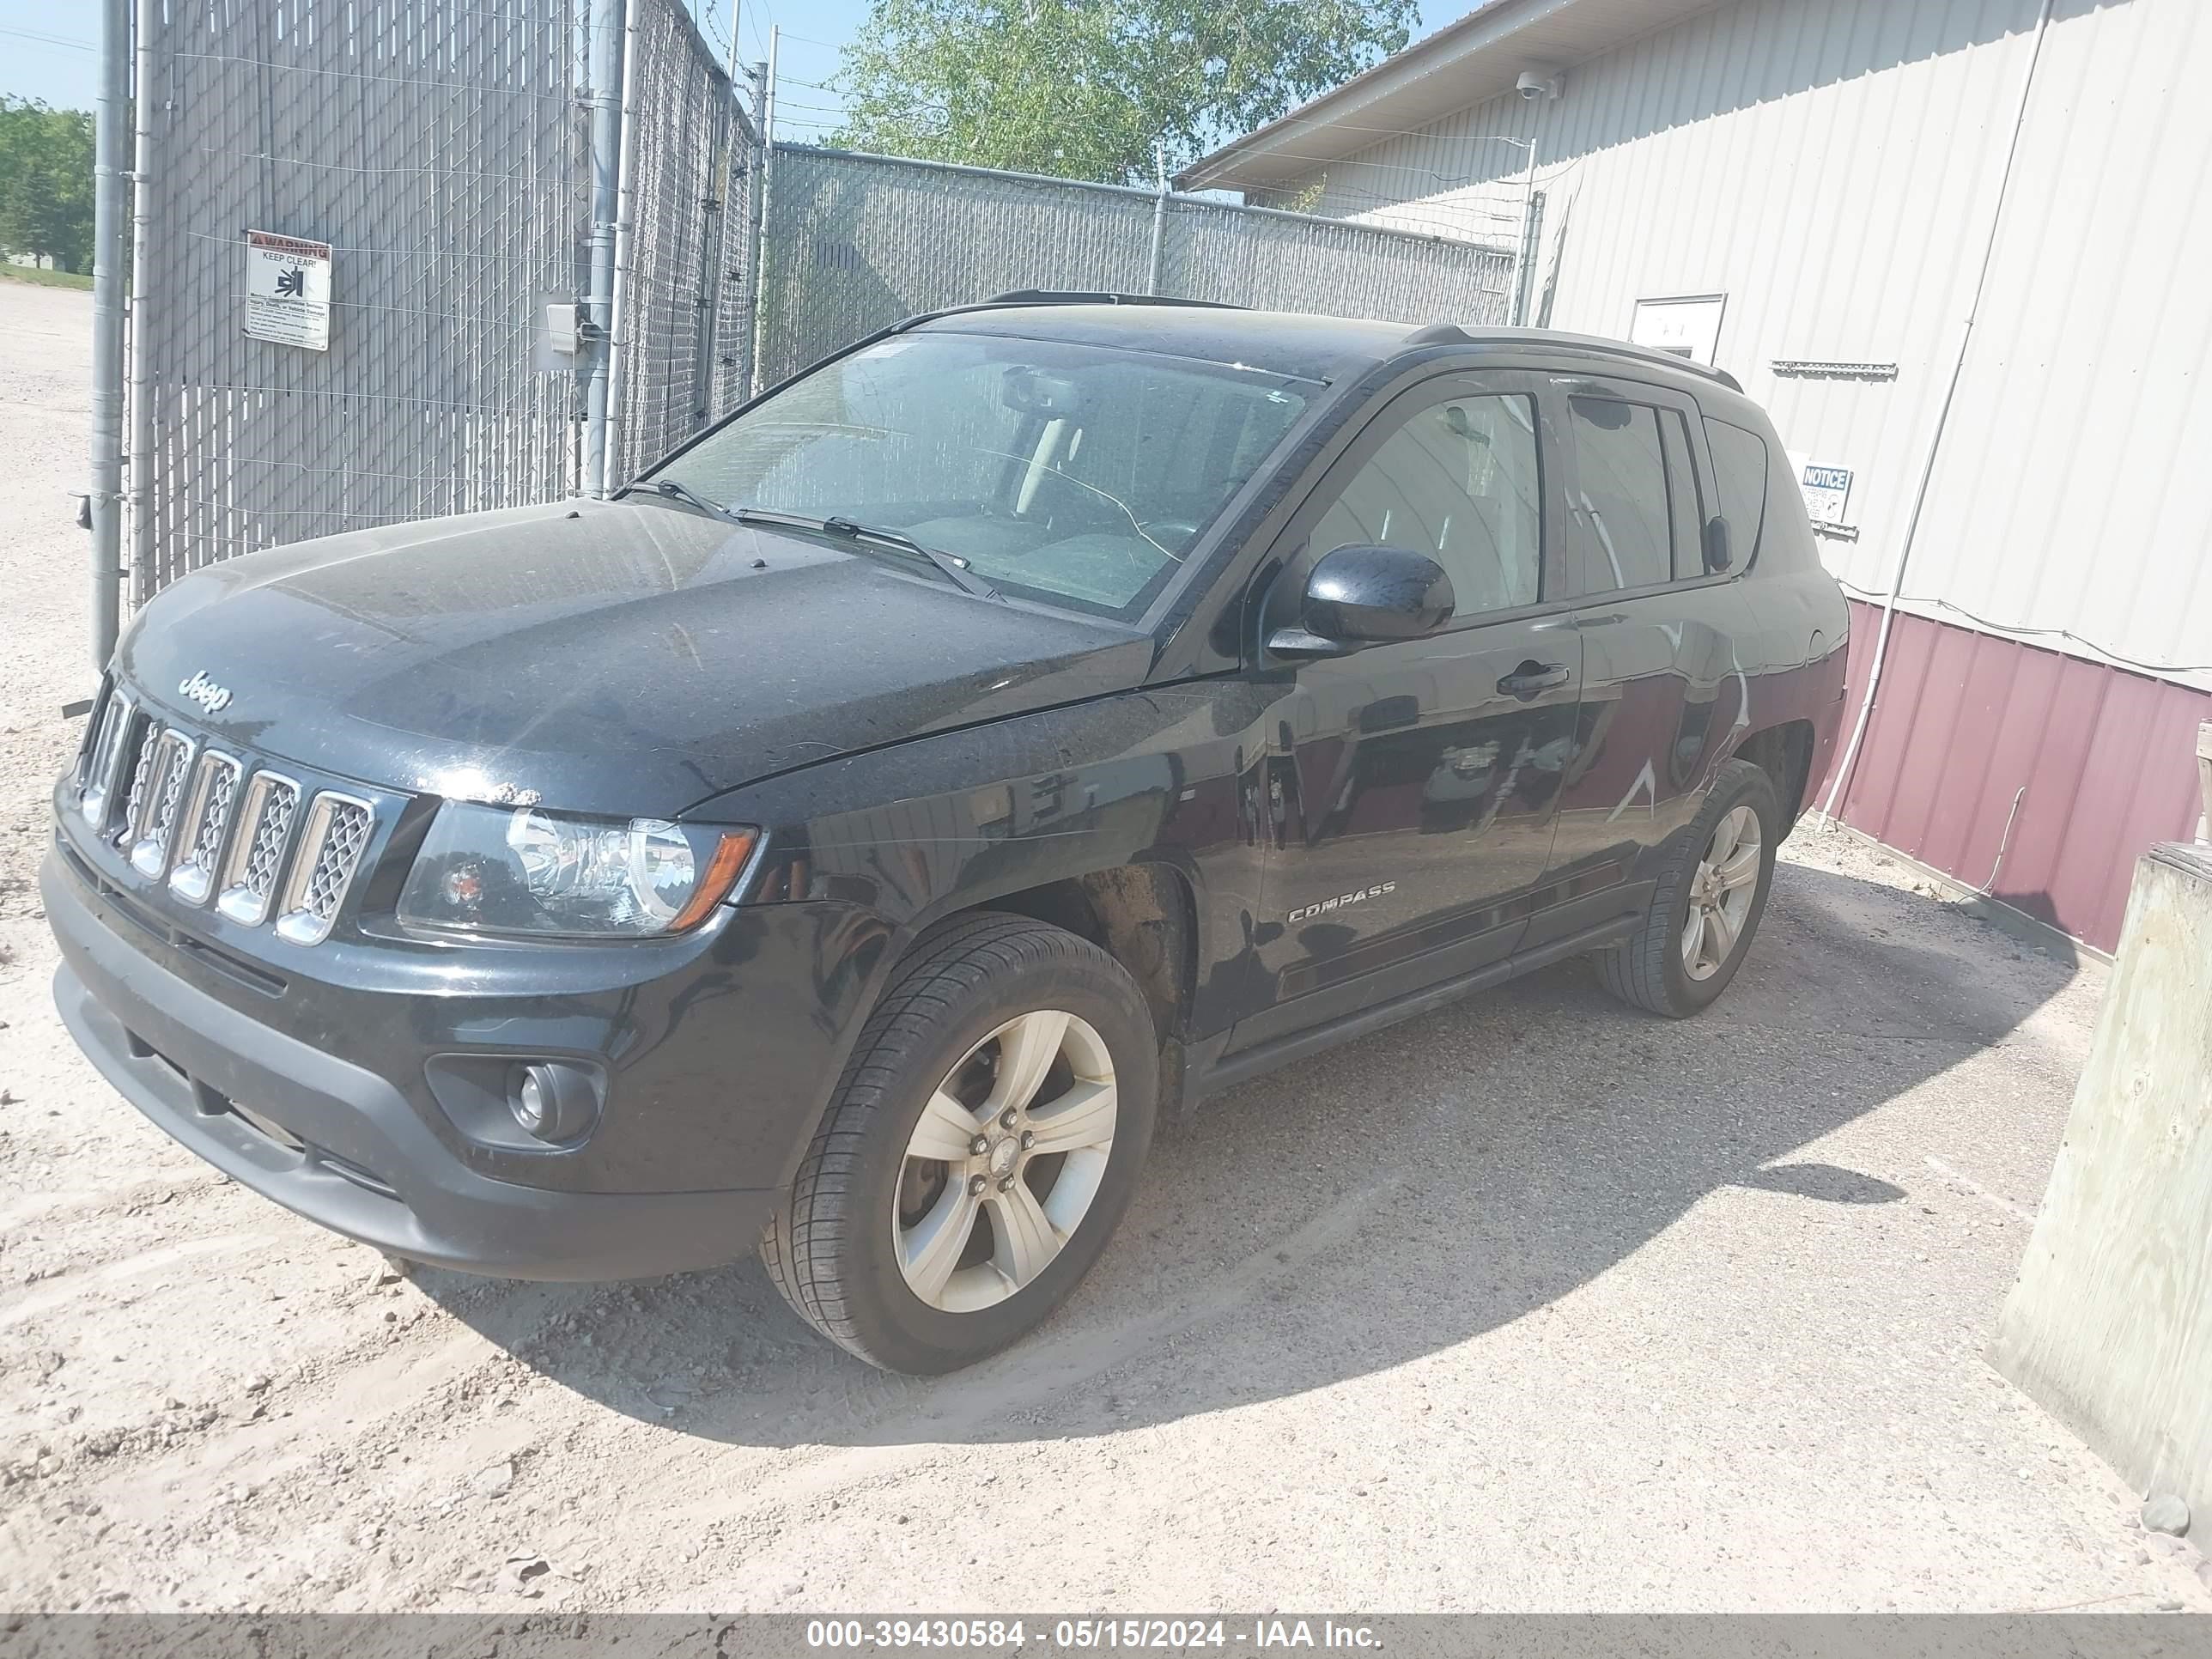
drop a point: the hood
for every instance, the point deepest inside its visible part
(623, 657)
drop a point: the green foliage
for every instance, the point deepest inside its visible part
(46, 182)
(39, 276)
(1084, 88)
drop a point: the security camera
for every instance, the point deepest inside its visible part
(1535, 83)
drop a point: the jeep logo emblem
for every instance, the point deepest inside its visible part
(206, 692)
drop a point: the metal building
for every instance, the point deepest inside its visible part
(1956, 247)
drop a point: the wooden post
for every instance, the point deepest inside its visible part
(2110, 1322)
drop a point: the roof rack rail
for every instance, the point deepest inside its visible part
(1056, 296)
(1453, 334)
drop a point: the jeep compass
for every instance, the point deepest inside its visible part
(851, 839)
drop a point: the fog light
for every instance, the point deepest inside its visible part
(552, 1103)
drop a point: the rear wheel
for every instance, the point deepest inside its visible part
(983, 1145)
(1712, 891)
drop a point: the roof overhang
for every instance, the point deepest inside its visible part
(1462, 64)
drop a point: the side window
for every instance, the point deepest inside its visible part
(1685, 508)
(1739, 477)
(1459, 481)
(1619, 505)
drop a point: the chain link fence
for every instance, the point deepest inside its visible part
(443, 150)
(676, 131)
(737, 297)
(440, 149)
(853, 242)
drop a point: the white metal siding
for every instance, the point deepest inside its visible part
(1832, 167)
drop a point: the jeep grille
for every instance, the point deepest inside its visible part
(265, 829)
(221, 826)
(207, 818)
(330, 852)
(156, 795)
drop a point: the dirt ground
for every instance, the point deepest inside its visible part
(1534, 1304)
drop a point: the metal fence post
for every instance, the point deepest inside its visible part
(1525, 261)
(111, 178)
(749, 271)
(761, 182)
(1159, 218)
(708, 301)
(608, 31)
(724, 170)
(623, 312)
(1524, 258)
(138, 467)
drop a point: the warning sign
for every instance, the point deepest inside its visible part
(1827, 492)
(288, 290)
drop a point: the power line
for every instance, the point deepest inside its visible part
(44, 39)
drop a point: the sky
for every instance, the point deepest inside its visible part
(51, 51)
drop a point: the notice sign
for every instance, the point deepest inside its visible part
(288, 290)
(1827, 492)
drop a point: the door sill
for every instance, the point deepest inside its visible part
(1245, 1065)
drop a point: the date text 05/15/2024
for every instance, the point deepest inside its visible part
(1086, 1635)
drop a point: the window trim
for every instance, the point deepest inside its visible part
(1294, 557)
(1626, 389)
(1699, 516)
(1766, 500)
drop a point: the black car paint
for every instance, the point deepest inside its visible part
(910, 751)
(626, 657)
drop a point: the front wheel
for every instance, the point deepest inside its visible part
(1712, 891)
(982, 1147)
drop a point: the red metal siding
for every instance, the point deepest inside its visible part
(1966, 720)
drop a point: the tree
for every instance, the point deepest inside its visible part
(46, 182)
(1085, 88)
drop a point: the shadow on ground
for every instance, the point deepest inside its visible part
(1394, 1197)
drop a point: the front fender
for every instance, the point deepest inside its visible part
(920, 829)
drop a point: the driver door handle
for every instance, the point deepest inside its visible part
(1533, 677)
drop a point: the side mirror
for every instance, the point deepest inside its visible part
(1717, 554)
(1357, 593)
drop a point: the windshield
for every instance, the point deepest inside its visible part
(1078, 475)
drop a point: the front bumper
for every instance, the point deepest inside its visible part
(358, 1149)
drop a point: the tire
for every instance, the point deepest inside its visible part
(1652, 970)
(966, 1018)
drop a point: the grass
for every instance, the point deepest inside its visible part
(41, 279)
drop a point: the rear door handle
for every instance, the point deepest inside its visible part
(1533, 677)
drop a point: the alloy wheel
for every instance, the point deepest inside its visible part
(1005, 1163)
(1722, 889)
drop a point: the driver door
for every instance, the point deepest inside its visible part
(1412, 785)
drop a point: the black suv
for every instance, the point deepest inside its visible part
(851, 839)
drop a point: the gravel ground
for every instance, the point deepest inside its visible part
(1534, 1304)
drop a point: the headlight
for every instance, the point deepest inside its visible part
(498, 869)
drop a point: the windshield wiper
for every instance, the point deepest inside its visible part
(675, 490)
(954, 566)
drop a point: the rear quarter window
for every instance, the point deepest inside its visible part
(1740, 474)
